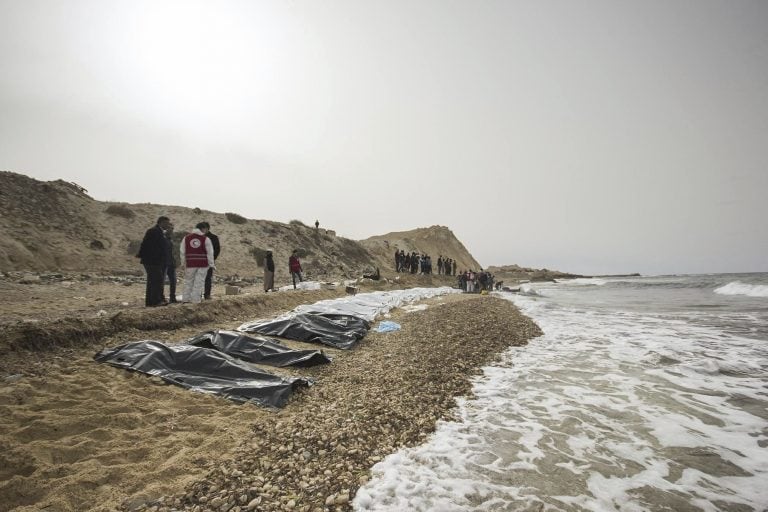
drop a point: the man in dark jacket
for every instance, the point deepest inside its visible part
(152, 253)
(269, 272)
(216, 251)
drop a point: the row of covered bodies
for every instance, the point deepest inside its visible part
(227, 363)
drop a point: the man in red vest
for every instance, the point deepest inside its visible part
(294, 266)
(197, 255)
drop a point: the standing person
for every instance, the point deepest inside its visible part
(269, 272)
(471, 281)
(170, 266)
(216, 250)
(294, 265)
(317, 224)
(152, 254)
(197, 254)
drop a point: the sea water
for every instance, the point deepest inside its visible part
(647, 393)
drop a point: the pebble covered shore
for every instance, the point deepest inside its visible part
(386, 394)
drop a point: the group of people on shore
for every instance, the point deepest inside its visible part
(197, 252)
(475, 282)
(414, 263)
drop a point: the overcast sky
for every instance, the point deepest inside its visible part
(592, 137)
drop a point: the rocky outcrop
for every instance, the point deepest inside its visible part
(434, 240)
(515, 274)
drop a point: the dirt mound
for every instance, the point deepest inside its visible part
(48, 223)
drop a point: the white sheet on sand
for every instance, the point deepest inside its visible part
(304, 285)
(366, 305)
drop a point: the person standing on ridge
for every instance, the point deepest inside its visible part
(294, 266)
(269, 272)
(197, 254)
(216, 251)
(317, 224)
(152, 254)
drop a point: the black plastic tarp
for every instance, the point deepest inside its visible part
(203, 369)
(258, 349)
(335, 330)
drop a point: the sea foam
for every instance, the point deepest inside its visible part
(609, 410)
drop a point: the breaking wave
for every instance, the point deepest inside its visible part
(739, 288)
(529, 291)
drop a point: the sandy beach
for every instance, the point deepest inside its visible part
(81, 436)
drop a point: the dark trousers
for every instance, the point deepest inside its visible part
(208, 283)
(170, 271)
(294, 275)
(155, 280)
